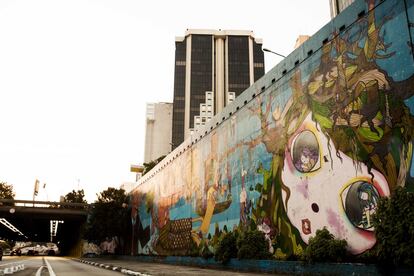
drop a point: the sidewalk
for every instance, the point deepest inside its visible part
(130, 267)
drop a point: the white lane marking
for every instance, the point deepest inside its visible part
(12, 269)
(49, 268)
(131, 272)
(12, 263)
(39, 271)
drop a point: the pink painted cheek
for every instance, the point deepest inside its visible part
(369, 238)
(336, 223)
(302, 188)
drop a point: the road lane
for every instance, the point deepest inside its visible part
(20, 266)
(67, 267)
(52, 266)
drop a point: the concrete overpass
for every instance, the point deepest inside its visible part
(42, 221)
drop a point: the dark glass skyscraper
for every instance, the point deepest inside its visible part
(211, 69)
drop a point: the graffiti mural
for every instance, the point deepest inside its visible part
(317, 148)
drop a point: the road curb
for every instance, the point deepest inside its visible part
(113, 268)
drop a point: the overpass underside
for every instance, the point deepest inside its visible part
(43, 222)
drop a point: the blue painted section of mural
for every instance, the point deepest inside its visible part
(314, 143)
(279, 267)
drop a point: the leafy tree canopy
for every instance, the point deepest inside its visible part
(117, 196)
(394, 228)
(75, 197)
(109, 217)
(6, 192)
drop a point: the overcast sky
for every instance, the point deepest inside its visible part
(75, 77)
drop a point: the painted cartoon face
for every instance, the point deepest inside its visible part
(328, 189)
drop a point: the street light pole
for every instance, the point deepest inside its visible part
(270, 51)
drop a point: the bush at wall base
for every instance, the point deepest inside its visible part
(227, 247)
(325, 248)
(394, 228)
(253, 245)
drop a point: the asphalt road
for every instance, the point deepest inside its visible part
(49, 266)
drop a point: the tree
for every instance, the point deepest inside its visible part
(117, 196)
(75, 197)
(394, 228)
(109, 216)
(148, 166)
(6, 192)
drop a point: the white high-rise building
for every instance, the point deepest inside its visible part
(158, 130)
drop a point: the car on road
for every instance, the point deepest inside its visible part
(16, 252)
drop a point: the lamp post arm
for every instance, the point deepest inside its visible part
(270, 51)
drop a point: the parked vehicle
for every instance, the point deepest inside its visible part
(35, 249)
(16, 252)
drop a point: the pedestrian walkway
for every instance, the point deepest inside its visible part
(132, 267)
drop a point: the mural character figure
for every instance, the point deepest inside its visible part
(243, 199)
(307, 160)
(266, 229)
(342, 119)
(316, 193)
(368, 201)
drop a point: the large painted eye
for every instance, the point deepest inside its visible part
(305, 152)
(360, 201)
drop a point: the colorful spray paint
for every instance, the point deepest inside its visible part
(316, 147)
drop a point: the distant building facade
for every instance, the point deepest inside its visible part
(158, 130)
(338, 6)
(212, 67)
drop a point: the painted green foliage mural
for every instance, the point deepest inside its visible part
(318, 148)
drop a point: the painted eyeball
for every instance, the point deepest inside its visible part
(360, 200)
(305, 152)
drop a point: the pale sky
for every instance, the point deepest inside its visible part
(75, 77)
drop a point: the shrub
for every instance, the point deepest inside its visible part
(325, 248)
(253, 245)
(205, 251)
(193, 250)
(369, 256)
(394, 228)
(226, 247)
